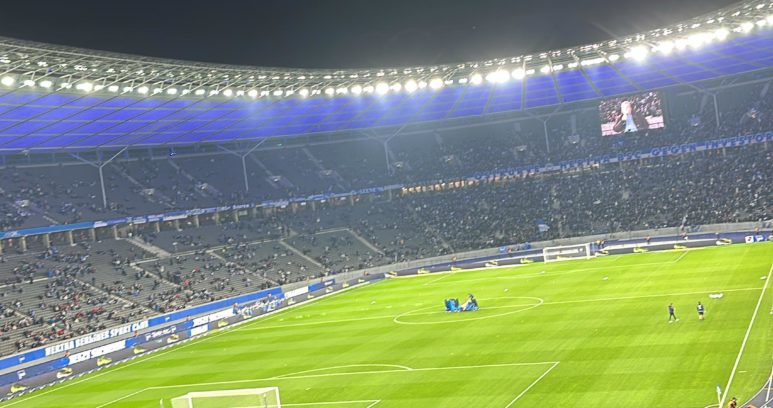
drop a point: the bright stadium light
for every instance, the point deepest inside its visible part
(85, 86)
(638, 53)
(476, 79)
(278, 92)
(65, 85)
(171, 91)
(747, 26)
(342, 90)
(612, 58)
(721, 34)
(228, 92)
(143, 90)
(7, 80)
(396, 87)
(240, 92)
(330, 91)
(253, 93)
(368, 89)
(498, 76)
(157, 91)
(436, 83)
(770, 19)
(127, 89)
(113, 88)
(545, 69)
(199, 92)
(46, 83)
(356, 89)
(411, 86)
(28, 83)
(382, 88)
(518, 73)
(303, 93)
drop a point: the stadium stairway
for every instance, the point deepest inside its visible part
(148, 247)
(300, 253)
(365, 241)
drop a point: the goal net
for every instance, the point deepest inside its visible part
(566, 252)
(244, 398)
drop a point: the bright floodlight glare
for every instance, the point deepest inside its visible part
(476, 79)
(721, 34)
(7, 80)
(253, 93)
(303, 92)
(382, 88)
(396, 87)
(171, 91)
(46, 83)
(368, 89)
(639, 53)
(85, 86)
(747, 26)
(518, 73)
(436, 83)
(770, 19)
(278, 92)
(199, 92)
(143, 90)
(329, 91)
(545, 69)
(342, 91)
(411, 86)
(157, 91)
(613, 57)
(498, 76)
(113, 88)
(228, 92)
(28, 82)
(356, 89)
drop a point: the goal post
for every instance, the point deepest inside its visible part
(567, 252)
(267, 397)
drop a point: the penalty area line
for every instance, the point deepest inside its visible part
(517, 397)
(745, 338)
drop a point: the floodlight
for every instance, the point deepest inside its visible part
(721, 33)
(411, 86)
(342, 91)
(638, 53)
(436, 83)
(65, 85)
(240, 92)
(171, 91)
(329, 91)
(46, 83)
(199, 92)
(85, 86)
(356, 89)
(747, 26)
(113, 88)
(368, 89)
(127, 89)
(611, 57)
(382, 88)
(545, 69)
(303, 92)
(28, 82)
(498, 76)
(228, 92)
(143, 90)
(7, 80)
(252, 93)
(396, 87)
(278, 92)
(157, 91)
(476, 79)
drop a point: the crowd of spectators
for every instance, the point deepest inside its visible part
(68, 291)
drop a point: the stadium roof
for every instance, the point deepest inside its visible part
(54, 97)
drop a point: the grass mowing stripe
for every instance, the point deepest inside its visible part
(745, 338)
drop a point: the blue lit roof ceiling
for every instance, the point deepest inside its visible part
(54, 98)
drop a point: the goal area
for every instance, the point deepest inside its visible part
(245, 398)
(567, 252)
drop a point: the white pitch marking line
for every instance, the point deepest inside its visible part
(406, 368)
(306, 404)
(746, 337)
(517, 397)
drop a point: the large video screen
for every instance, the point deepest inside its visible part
(632, 113)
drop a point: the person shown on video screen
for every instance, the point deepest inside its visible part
(630, 120)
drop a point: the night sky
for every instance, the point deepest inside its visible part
(338, 34)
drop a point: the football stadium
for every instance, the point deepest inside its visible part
(583, 226)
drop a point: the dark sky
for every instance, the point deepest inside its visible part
(337, 34)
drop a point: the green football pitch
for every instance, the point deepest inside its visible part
(576, 333)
